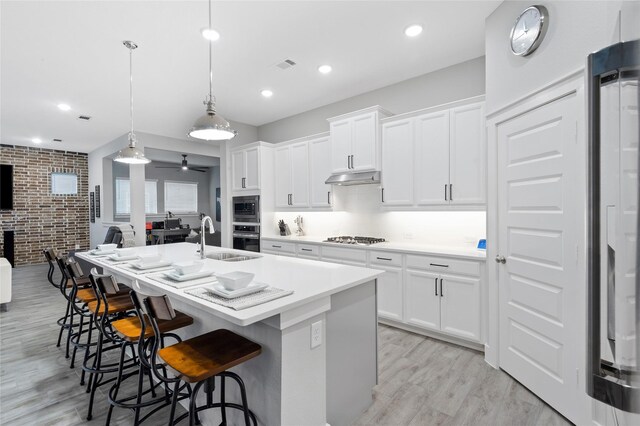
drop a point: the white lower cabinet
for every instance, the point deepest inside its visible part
(390, 293)
(423, 299)
(460, 306)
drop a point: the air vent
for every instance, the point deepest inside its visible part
(84, 117)
(57, 140)
(287, 63)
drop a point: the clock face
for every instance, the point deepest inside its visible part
(528, 31)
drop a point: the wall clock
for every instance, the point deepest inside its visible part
(529, 30)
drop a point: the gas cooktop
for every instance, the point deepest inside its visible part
(364, 241)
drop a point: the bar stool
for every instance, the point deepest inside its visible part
(138, 331)
(52, 258)
(199, 360)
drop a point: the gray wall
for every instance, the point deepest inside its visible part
(576, 28)
(456, 82)
(205, 191)
(246, 133)
(214, 182)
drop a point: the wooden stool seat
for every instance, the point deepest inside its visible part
(86, 295)
(130, 327)
(205, 356)
(116, 304)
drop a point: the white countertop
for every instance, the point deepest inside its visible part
(310, 280)
(469, 252)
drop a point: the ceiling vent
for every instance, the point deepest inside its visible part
(287, 63)
(84, 117)
(57, 140)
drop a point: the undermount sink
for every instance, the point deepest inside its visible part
(230, 257)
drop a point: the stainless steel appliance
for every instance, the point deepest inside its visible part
(613, 254)
(246, 209)
(246, 237)
(363, 241)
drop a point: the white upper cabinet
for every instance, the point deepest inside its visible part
(245, 169)
(467, 171)
(292, 175)
(319, 171)
(432, 158)
(355, 140)
(435, 159)
(397, 162)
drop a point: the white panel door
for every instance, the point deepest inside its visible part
(540, 318)
(299, 174)
(432, 158)
(252, 164)
(364, 142)
(467, 153)
(237, 170)
(422, 306)
(390, 293)
(340, 145)
(319, 171)
(397, 162)
(282, 171)
(460, 306)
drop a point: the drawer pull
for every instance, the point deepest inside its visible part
(275, 246)
(306, 249)
(439, 264)
(384, 258)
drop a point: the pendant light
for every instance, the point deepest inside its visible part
(131, 154)
(211, 126)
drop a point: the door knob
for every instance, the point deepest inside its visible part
(500, 259)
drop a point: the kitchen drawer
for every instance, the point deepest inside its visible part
(344, 254)
(384, 258)
(308, 250)
(444, 265)
(278, 246)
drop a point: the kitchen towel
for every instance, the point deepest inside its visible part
(159, 277)
(242, 302)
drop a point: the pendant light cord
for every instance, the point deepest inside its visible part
(210, 59)
(131, 86)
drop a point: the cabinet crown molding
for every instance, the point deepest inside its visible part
(376, 108)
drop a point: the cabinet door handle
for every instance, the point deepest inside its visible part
(384, 258)
(244, 184)
(445, 192)
(450, 192)
(435, 285)
(439, 264)
(275, 246)
(306, 249)
(328, 197)
(352, 166)
(441, 292)
(348, 162)
(383, 195)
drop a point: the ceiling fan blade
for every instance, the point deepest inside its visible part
(166, 167)
(198, 170)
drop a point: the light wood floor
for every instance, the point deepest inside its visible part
(422, 381)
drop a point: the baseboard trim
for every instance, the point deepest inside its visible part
(440, 336)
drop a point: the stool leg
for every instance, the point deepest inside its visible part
(193, 404)
(223, 408)
(141, 374)
(64, 323)
(75, 346)
(94, 377)
(69, 330)
(243, 393)
(116, 385)
(86, 350)
(174, 401)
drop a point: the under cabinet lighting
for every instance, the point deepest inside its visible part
(36, 140)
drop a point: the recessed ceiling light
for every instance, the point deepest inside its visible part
(266, 93)
(325, 69)
(210, 34)
(36, 140)
(64, 107)
(413, 30)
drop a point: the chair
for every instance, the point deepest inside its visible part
(198, 361)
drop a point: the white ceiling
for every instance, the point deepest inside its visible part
(71, 52)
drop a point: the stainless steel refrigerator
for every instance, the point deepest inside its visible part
(613, 339)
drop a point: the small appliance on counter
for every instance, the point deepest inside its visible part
(298, 222)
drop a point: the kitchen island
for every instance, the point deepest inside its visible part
(290, 383)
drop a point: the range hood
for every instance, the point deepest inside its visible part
(360, 178)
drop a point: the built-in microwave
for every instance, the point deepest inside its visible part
(246, 209)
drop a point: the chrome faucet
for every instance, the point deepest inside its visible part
(211, 231)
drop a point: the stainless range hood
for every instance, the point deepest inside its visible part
(361, 178)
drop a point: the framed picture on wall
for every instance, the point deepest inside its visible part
(218, 209)
(92, 206)
(97, 200)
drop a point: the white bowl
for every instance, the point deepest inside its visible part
(149, 259)
(235, 280)
(107, 247)
(189, 267)
(124, 252)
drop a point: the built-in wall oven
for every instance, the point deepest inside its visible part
(246, 237)
(246, 209)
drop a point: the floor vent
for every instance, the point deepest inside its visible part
(84, 117)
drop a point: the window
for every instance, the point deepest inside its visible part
(64, 184)
(181, 197)
(123, 196)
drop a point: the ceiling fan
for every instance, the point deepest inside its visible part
(184, 166)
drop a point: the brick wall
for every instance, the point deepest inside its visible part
(39, 218)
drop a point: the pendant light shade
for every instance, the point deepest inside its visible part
(211, 126)
(131, 154)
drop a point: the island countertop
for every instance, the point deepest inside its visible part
(310, 280)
